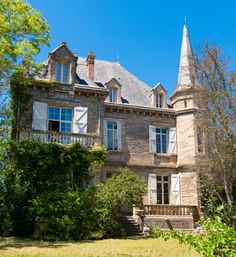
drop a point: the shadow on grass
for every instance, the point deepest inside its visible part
(12, 242)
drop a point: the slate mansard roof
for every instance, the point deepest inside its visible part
(133, 90)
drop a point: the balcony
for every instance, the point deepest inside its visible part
(86, 140)
(170, 210)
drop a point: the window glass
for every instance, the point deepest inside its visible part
(54, 113)
(110, 125)
(65, 127)
(62, 72)
(66, 114)
(161, 140)
(166, 178)
(60, 119)
(159, 100)
(163, 131)
(112, 139)
(58, 71)
(65, 73)
(162, 189)
(113, 95)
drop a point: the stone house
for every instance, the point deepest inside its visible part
(99, 102)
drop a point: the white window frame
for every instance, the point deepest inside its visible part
(162, 182)
(60, 121)
(160, 133)
(62, 64)
(113, 91)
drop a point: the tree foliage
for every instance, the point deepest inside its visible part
(37, 177)
(43, 192)
(216, 240)
(22, 31)
(122, 189)
(218, 94)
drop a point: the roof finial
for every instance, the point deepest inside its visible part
(185, 20)
(117, 58)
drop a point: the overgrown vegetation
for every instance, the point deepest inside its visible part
(216, 239)
(45, 192)
(218, 175)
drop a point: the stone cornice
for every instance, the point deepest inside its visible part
(138, 109)
(67, 88)
(187, 111)
(80, 88)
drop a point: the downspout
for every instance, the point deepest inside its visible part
(99, 114)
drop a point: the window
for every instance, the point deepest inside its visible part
(162, 190)
(113, 95)
(112, 138)
(159, 101)
(161, 140)
(62, 72)
(59, 119)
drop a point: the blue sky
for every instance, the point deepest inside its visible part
(145, 34)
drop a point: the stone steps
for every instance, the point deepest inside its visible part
(130, 226)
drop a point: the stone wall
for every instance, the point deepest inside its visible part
(135, 137)
(61, 96)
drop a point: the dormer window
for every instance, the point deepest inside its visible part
(158, 96)
(113, 95)
(159, 101)
(62, 72)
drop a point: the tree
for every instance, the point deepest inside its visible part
(22, 31)
(219, 124)
(124, 188)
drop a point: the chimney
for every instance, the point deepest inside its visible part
(90, 65)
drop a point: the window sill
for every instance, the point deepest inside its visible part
(114, 151)
(164, 154)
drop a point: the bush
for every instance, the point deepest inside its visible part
(41, 184)
(217, 239)
(41, 194)
(124, 188)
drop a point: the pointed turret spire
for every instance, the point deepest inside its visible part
(187, 76)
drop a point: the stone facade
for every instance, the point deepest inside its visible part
(157, 142)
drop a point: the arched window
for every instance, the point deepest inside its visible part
(62, 72)
(159, 101)
(113, 95)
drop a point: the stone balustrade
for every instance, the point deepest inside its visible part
(86, 140)
(181, 210)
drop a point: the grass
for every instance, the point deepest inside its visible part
(135, 247)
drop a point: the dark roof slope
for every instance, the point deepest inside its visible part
(133, 90)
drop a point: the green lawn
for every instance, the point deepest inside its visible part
(111, 247)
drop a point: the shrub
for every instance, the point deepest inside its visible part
(41, 184)
(124, 188)
(217, 239)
